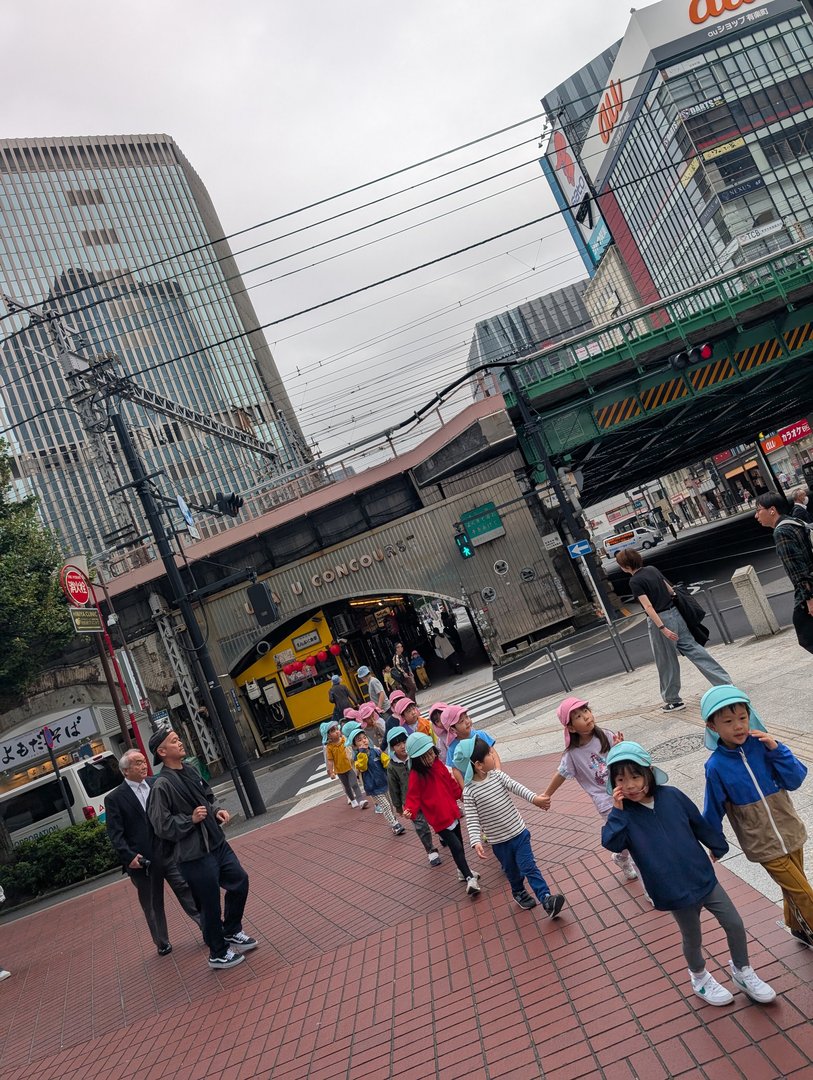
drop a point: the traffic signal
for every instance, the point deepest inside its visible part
(464, 544)
(228, 504)
(692, 354)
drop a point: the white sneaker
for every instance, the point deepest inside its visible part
(434, 858)
(461, 876)
(747, 980)
(625, 864)
(4, 974)
(362, 805)
(707, 988)
(354, 803)
(472, 885)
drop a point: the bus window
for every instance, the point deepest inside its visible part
(34, 805)
(99, 777)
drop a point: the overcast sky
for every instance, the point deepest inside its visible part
(278, 104)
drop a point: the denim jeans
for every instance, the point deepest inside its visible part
(518, 863)
(220, 869)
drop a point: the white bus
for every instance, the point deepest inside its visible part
(39, 807)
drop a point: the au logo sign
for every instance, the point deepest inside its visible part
(702, 10)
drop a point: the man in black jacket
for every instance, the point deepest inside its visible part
(183, 812)
(790, 535)
(133, 841)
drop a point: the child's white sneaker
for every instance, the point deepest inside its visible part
(747, 980)
(353, 803)
(434, 858)
(707, 988)
(473, 885)
(626, 865)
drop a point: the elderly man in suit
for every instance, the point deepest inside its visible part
(134, 842)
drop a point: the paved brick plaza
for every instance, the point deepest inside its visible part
(372, 964)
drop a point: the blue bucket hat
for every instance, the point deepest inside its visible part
(324, 729)
(350, 730)
(462, 758)
(362, 672)
(396, 733)
(633, 751)
(418, 744)
(717, 698)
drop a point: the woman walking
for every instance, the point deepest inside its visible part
(668, 633)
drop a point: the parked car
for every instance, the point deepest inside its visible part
(640, 539)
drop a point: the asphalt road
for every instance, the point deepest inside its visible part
(704, 558)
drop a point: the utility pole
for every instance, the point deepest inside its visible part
(573, 527)
(141, 484)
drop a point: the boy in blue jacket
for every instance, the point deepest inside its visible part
(748, 777)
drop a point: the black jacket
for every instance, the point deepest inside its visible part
(174, 797)
(127, 825)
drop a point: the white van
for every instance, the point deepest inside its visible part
(640, 539)
(38, 807)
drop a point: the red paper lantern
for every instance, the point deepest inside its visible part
(335, 649)
(321, 656)
(288, 669)
(297, 665)
(310, 661)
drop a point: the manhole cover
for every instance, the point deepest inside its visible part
(672, 748)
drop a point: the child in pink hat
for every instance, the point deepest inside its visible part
(438, 730)
(585, 760)
(457, 724)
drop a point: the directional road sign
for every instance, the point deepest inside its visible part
(582, 547)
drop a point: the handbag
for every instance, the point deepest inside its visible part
(692, 613)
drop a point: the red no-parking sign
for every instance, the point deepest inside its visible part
(74, 585)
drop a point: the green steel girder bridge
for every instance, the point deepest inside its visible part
(609, 402)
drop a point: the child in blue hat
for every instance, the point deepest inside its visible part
(371, 765)
(337, 759)
(748, 777)
(398, 784)
(663, 831)
(490, 810)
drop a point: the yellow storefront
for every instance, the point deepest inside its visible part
(288, 686)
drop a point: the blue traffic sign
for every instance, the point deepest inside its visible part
(583, 547)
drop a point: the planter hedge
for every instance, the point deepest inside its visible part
(57, 859)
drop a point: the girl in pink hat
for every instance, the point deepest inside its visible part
(369, 717)
(457, 724)
(409, 717)
(585, 760)
(438, 730)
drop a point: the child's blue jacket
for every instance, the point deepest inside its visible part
(665, 845)
(374, 778)
(750, 784)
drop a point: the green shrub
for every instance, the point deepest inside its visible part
(57, 859)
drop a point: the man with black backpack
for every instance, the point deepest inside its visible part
(183, 813)
(793, 546)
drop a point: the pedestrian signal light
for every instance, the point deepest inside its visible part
(692, 354)
(464, 545)
(228, 504)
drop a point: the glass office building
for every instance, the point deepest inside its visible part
(700, 147)
(119, 235)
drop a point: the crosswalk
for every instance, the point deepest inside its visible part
(479, 704)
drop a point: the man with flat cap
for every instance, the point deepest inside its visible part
(184, 814)
(132, 839)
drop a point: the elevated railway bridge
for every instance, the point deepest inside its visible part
(609, 402)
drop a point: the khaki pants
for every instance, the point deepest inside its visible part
(797, 893)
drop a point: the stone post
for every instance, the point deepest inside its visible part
(754, 601)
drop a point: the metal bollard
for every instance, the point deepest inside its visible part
(560, 671)
(719, 619)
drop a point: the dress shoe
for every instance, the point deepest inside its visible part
(164, 950)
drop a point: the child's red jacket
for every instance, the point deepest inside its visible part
(436, 794)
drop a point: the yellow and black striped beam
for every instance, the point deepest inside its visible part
(718, 371)
(661, 394)
(618, 412)
(799, 336)
(756, 355)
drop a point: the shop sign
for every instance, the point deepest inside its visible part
(86, 620)
(689, 171)
(701, 107)
(306, 641)
(723, 149)
(723, 456)
(760, 231)
(701, 11)
(30, 746)
(785, 436)
(738, 190)
(351, 566)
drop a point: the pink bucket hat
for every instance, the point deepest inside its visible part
(450, 716)
(564, 711)
(396, 695)
(438, 707)
(401, 706)
(366, 713)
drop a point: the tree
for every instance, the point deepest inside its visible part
(34, 620)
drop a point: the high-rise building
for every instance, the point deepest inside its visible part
(699, 152)
(119, 235)
(522, 330)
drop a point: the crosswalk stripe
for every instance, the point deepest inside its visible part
(480, 705)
